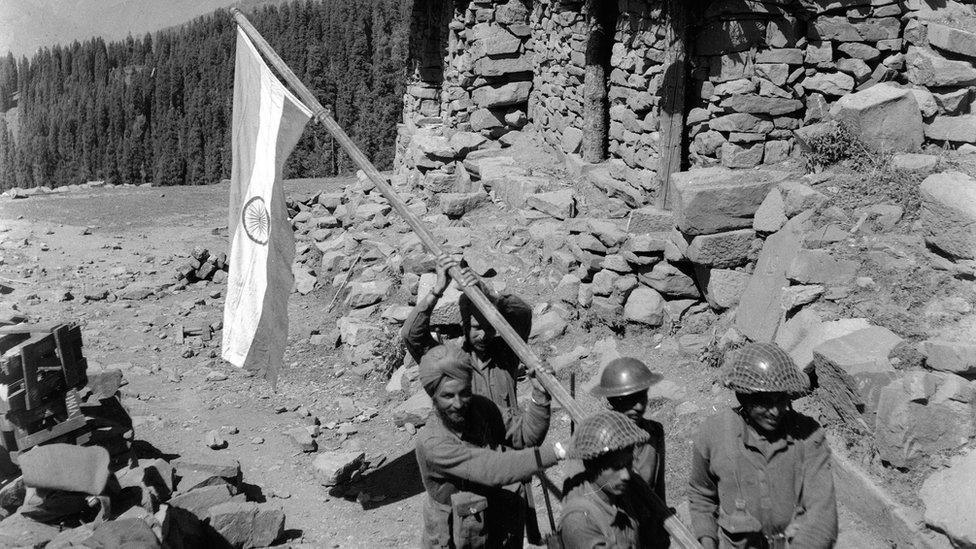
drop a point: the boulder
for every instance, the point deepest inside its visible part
(572, 140)
(948, 214)
(503, 95)
(829, 83)
(649, 219)
(305, 279)
(926, 68)
(559, 204)
(670, 281)
(547, 327)
(922, 414)
(515, 190)
(645, 306)
(20, 531)
(455, 205)
(949, 500)
(364, 294)
(192, 474)
(820, 267)
(728, 249)
(951, 40)
(798, 197)
(735, 155)
(200, 500)
(771, 215)
(956, 357)
(493, 40)
(245, 525)
(887, 118)
(464, 142)
(844, 29)
(852, 370)
(725, 287)
(712, 200)
(484, 119)
(914, 162)
(333, 468)
(806, 331)
(957, 129)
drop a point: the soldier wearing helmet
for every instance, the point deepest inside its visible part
(624, 383)
(601, 510)
(761, 471)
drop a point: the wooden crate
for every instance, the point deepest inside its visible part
(41, 370)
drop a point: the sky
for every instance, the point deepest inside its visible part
(26, 25)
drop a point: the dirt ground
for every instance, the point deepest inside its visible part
(103, 239)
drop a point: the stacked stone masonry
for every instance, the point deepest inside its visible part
(759, 71)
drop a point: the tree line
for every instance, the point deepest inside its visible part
(158, 108)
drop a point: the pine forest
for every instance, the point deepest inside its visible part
(157, 109)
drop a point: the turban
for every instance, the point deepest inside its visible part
(513, 309)
(440, 362)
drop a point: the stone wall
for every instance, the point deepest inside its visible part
(759, 70)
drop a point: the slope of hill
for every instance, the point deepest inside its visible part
(26, 25)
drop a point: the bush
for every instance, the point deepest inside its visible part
(838, 143)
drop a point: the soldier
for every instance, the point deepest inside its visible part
(471, 458)
(495, 367)
(494, 364)
(624, 383)
(760, 473)
(601, 510)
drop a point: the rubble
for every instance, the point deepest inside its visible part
(202, 265)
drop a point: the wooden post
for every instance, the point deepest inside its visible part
(679, 532)
(672, 114)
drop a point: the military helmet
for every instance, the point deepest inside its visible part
(764, 368)
(624, 376)
(604, 432)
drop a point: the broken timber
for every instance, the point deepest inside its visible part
(678, 531)
(672, 100)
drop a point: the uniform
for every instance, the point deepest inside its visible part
(589, 522)
(787, 481)
(478, 471)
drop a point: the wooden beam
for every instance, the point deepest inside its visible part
(672, 107)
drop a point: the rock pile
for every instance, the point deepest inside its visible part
(201, 266)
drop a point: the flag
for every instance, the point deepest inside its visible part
(268, 120)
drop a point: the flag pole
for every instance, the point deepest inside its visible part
(678, 531)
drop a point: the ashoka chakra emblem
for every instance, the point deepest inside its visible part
(256, 221)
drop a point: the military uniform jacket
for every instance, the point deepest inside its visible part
(648, 466)
(787, 482)
(487, 459)
(589, 522)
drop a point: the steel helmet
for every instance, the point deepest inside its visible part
(764, 368)
(624, 376)
(604, 432)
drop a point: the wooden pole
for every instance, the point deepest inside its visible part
(678, 531)
(672, 115)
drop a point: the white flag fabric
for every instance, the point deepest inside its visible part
(268, 121)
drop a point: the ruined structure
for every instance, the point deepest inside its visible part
(754, 73)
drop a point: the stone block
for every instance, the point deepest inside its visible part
(771, 214)
(455, 205)
(949, 500)
(645, 306)
(463, 143)
(649, 219)
(820, 267)
(950, 356)
(926, 68)
(712, 200)
(755, 104)
(333, 468)
(559, 204)
(922, 414)
(759, 312)
(547, 327)
(199, 501)
(827, 83)
(670, 281)
(247, 524)
(728, 249)
(492, 40)
(364, 294)
(914, 162)
(742, 156)
(572, 139)
(725, 287)
(515, 190)
(852, 370)
(501, 95)
(806, 331)
(888, 118)
(191, 473)
(843, 29)
(740, 122)
(948, 214)
(493, 68)
(951, 39)
(485, 119)
(956, 129)
(954, 102)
